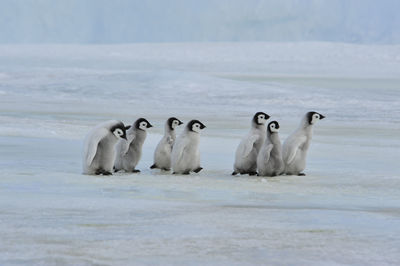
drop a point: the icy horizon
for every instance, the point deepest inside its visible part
(123, 21)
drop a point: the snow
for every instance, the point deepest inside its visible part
(345, 211)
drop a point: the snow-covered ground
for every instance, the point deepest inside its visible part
(345, 211)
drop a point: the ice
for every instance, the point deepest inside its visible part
(345, 211)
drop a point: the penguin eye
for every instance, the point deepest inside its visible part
(143, 124)
(119, 132)
(261, 117)
(272, 126)
(316, 116)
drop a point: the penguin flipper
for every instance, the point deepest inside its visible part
(93, 143)
(179, 150)
(267, 152)
(295, 147)
(248, 145)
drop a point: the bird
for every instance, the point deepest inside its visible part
(247, 151)
(162, 154)
(99, 153)
(269, 159)
(185, 155)
(295, 147)
(129, 151)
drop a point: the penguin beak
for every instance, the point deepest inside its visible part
(267, 117)
(321, 116)
(180, 122)
(202, 126)
(124, 136)
(149, 125)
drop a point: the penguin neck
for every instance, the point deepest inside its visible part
(257, 127)
(168, 131)
(140, 136)
(273, 137)
(306, 126)
(191, 133)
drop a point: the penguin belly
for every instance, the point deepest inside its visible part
(298, 165)
(104, 158)
(162, 156)
(247, 164)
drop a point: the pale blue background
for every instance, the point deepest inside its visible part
(126, 21)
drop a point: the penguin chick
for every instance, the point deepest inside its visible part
(269, 159)
(185, 155)
(99, 153)
(296, 145)
(162, 154)
(247, 151)
(129, 151)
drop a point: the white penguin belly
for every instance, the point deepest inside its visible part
(298, 164)
(104, 158)
(162, 156)
(248, 163)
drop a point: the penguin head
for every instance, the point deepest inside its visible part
(313, 117)
(273, 127)
(195, 126)
(119, 130)
(173, 122)
(260, 118)
(142, 124)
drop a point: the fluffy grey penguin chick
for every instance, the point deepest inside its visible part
(269, 159)
(296, 145)
(185, 155)
(162, 154)
(98, 150)
(247, 151)
(129, 151)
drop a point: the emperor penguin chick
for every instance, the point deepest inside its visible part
(269, 159)
(129, 151)
(185, 155)
(247, 151)
(296, 145)
(98, 152)
(162, 154)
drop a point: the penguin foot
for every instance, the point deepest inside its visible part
(166, 169)
(252, 173)
(135, 171)
(301, 174)
(234, 173)
(102, 172)
(153, 166)
(198, 169)
(184, 173)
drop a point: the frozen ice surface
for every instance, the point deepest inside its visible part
(345, 211)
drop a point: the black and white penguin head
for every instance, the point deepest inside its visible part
(313, 117)
(195, 126)
(173, 122)
(273, 127)
(119, 130)
(142, 124)
(260, 118)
